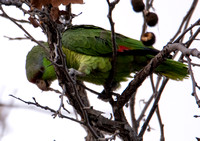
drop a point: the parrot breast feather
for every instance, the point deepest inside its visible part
(85, 63)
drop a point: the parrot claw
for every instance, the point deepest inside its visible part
(73, 73)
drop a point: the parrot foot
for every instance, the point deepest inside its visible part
(73, 73)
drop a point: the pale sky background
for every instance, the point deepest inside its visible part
(177, 106)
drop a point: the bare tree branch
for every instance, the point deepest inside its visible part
(162, 137)
(17, 3)
(35, 103)
(185, 20)
(154, 107)
(194, 83)
(21, 27)
(109, 81)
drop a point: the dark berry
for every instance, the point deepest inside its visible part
(138, 5)
(148, 38)
(151, 19)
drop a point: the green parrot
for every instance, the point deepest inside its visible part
(88, 50)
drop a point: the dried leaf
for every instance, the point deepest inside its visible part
(55, 3)
(66, 2)
(33, 22)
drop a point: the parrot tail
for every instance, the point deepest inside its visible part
(173, 70)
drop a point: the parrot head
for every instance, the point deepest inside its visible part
(39, 69)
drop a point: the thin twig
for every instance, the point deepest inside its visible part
(17, 38)
(21, 21)
(149, 4)
(142, 114)
(35, 103)
(21, 27)
(162, 137)
(108, 84)
(194, 93)
(184, 32)
(135, 124)
(196, 116)
(150, 99)
(154, 107)
(192, 38)
(16, 3)
(53, 90)
(189, 42)
(185, 20)
(92, 91)
(193, 64)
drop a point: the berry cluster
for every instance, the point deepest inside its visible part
(151, 19)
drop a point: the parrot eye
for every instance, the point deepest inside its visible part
(37, 81)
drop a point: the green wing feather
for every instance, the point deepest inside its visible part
(96, 41)
(173, 69)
